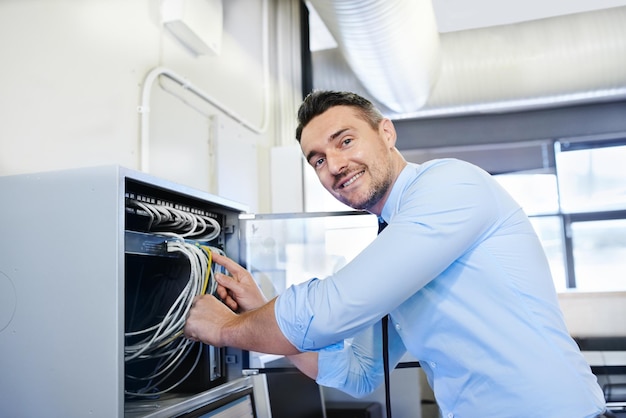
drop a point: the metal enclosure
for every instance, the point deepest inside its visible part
(66, 251)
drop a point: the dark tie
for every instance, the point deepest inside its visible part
(385, 323)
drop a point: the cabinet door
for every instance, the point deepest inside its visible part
(281, 250)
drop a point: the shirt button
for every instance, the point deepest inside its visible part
(398, 327)
(450, 415)
(433, 365)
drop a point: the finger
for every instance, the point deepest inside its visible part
(221, 291)
(188, 332)
(231, 303)
(227, 298)
(229, 264)
(226, 281)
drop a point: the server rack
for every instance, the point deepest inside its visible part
(73, 254)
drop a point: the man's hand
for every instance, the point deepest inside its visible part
(248, 322)
(207, 317)
(239, 291)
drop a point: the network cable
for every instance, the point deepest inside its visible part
(163, 342)
(171, 221)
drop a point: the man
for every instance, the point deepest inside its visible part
(459, 270)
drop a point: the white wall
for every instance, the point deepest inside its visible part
(71, 82)
(594, 314)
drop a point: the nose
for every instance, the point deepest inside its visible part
(336, 162)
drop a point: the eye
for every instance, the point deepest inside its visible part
(346, 141)
(317, 163)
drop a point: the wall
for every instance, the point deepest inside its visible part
(512, 127)
(73, 75)
(594, 314)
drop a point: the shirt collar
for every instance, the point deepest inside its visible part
(391, 205)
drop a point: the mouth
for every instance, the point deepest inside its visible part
(350, 180)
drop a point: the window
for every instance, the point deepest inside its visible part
(591, 179)
(579, 212)
(599, 254)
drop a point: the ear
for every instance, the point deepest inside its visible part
(388, 132)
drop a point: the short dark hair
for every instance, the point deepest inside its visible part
(320, 101)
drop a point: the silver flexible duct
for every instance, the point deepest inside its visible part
(392, 46)
(567, 59)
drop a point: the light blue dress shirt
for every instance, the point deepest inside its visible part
(469, 292)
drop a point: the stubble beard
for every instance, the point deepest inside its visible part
(377, 190)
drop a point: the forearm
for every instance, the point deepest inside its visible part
(257, 330)
(306, 362)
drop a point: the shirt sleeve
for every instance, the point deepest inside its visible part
(357, 369)
(294, 315)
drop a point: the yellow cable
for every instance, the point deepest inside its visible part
(208, 270)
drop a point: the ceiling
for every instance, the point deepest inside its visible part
(470, 57)
(454, 15)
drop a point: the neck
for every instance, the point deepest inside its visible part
(397, 163)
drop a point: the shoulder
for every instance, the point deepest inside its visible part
(439, 186)
(449, 185)
(447, 171)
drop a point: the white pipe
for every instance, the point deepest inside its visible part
(519, 104)
(392, 46)
(565, 59)
(570, 59)
(154, 74)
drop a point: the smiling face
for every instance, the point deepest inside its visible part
(354, 162)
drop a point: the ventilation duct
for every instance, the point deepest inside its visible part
(392, 46)
(404, 65)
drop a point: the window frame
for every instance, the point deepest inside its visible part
(548, 150)
(570, 218)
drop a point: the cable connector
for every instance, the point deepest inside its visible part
(172, 245)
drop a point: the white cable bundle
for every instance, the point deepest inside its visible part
(164, 340)
(176, 222)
